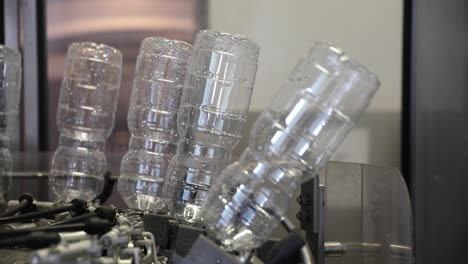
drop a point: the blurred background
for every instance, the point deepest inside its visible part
(123, 26)
(372, 33)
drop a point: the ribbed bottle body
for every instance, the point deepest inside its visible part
(299, 132)
(6, 166)
(211, 119)
(10, 90)
(85, 119)
(78, 169)
(152, 121)
(89, 91)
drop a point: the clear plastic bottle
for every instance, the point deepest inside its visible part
(10, 90)
(211, 119)
(152, 120)
(323, 97)
(85, 118)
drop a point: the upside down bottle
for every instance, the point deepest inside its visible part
(85, 118)
(10, 89)
(211, 118)
(152, 120)
(309, 117)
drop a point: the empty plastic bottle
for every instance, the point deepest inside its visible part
(10, 90)
(152, 120)
(85, 118)
(211, 119)
(310, 116)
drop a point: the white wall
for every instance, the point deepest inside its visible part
(368, 30)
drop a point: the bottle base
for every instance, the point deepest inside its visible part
(141, 194)
(67, 187)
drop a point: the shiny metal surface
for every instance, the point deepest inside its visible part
(334, 249)
(368, 215)
(74, 236)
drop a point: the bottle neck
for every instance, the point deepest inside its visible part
(204, 151)
(152, 145)
(73, 142)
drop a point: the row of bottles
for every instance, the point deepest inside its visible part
(293, 139)
(188, 110)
